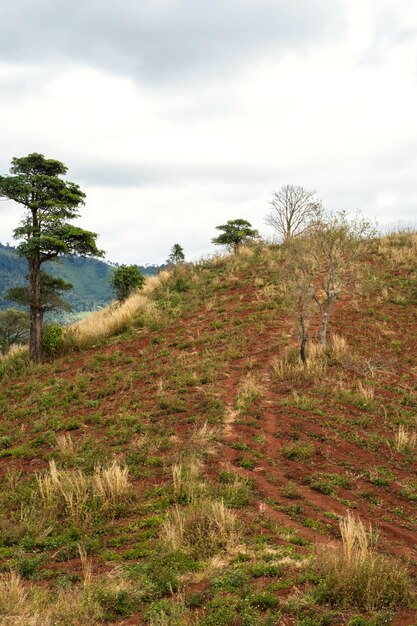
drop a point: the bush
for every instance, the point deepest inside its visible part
(125, 280)
(52, 338)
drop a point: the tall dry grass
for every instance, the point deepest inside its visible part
(116, 317)
(356, 575)
(399, 247)
(405, 440)
(249, 391)
(15, 360)
(111, 484)
(32, 606)
(291, 368)
(187, 482)
(13, 594)
(203, 529)
(71, 493)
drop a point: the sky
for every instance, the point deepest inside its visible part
(175, 116)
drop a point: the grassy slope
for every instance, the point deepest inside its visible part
(287, 456)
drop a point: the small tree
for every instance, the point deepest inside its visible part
(235, 232)
(323, 263)
(294, 210)
(125, 280)
(45, 234)
(176, 255)
(14, 328)
(301, 294)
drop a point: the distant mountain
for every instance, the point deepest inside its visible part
(89, 277)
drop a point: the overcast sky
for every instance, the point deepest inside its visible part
(175, 116)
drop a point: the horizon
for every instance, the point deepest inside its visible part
(174, 119)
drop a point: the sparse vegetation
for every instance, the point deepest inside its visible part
(356, 575)
(180, 464)
(73, 494)
(405, 439)
(203, 529)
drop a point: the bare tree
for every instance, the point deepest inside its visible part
(303, 304)
(324, 265)
(294, 210)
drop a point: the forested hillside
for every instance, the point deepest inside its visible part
(89, 277)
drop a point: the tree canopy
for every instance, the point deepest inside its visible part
(235, 232)
(125, 280)
(176, 255)
(44, 232)
(14, 328)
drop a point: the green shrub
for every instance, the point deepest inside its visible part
(263, 601)
(299, 451)
(115, 603)
(52, 338)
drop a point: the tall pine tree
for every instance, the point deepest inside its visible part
(44, 233)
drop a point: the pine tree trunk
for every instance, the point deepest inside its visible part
(36, 311)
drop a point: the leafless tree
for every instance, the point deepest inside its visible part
(294, 210)
(324, 268)
(303, 303)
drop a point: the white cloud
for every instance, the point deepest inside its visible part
(167, 161)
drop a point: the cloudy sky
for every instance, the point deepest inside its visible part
(175, 116)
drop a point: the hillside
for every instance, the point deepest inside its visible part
(89, 277)
(188, 471)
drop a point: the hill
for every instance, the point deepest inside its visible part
(188, 470)
(89, 277)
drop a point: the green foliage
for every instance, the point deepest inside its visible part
(52, 338)
(299, 451)
(235, 232)
(50, 288)
(44, 232)
(125, 280)
(116, 603)
(14, 328)
(176, 255)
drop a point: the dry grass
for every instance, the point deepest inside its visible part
(15, 351)
(64, 492)
(187, 482)
(249, 391)
(399, 247)
(202, 439)
(65, 445)
(111, 483)
(338, 346)
(115, 318)
(32, 606)
(14, 360)
(405, 440)
(355, 575)
(367, 393)
(203, 529)
(291, 368)
(245, 252)
(70, 493)
(13, 595)
(87, 567)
